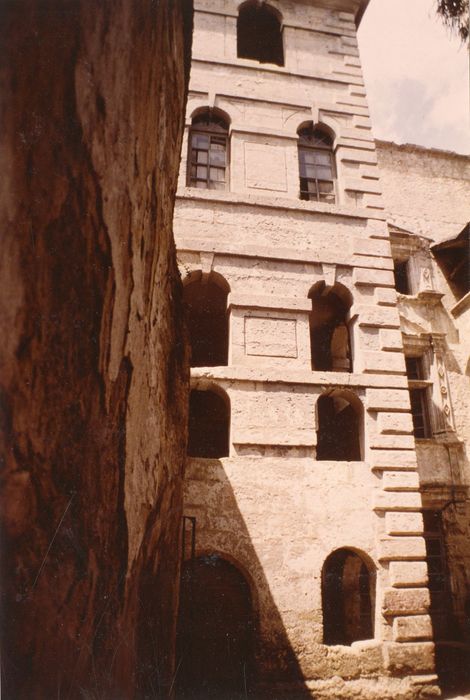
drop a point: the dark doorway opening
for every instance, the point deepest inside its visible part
(215, 631)
(209, 424)
(205, 299)
(329, 332)
(347, 598)
(339, 425)
(259, 34)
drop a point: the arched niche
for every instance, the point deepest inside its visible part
(348, 597)
(215, 630)
(209, 423)
(330, 342)
(205, 300)
(340, 420)
(259, 33)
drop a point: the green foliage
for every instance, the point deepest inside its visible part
(455, 14)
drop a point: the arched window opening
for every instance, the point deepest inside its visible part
(208, 151)
(339, 425)
(209, 424)
(259, 34)
(215, 630)
(329, 333)
(347, 598)
(205, 299)
(316, 164)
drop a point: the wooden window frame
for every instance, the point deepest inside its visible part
(215, 130)
(419, 387)
(317, 144)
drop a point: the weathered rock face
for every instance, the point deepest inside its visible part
(94, 367)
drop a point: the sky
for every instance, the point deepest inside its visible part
(417, 75)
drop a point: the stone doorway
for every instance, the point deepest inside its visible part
(215, 631)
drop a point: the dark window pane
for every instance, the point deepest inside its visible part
(309, 171)
(435, 563)
(308, 156)
(433, 547)
(217, 157)
(217, 174)
(323, 173)
(312, 186)
(400, 270)
(418, 400)
(200, 141)
(432, 520)
(413, 367)
(322, 158)
(325, 187)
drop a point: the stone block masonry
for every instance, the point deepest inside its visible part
(318, 477)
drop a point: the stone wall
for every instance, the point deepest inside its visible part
(427, 198)
(94, 367)
(426, 191)
(273, 507)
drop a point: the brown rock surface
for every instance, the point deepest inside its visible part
(93, 360)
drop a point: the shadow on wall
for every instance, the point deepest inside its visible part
(232, 642)
(450, 608)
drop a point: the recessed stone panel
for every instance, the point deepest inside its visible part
(265, 167)
(270, 337)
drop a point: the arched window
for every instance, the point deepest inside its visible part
(205, 299)
(348, 592)
(209, 423)
(259, 33)
(339, 427)
(215, 630)
(208, 151)
(329, 333)
(316, 164)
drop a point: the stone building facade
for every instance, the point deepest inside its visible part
(311, 495)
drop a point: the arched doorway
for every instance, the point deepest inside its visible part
(209, 423)
(329, 330)
(348, 592)
(205, 299)
(339, 416)
(215, 631)
(259, 33)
